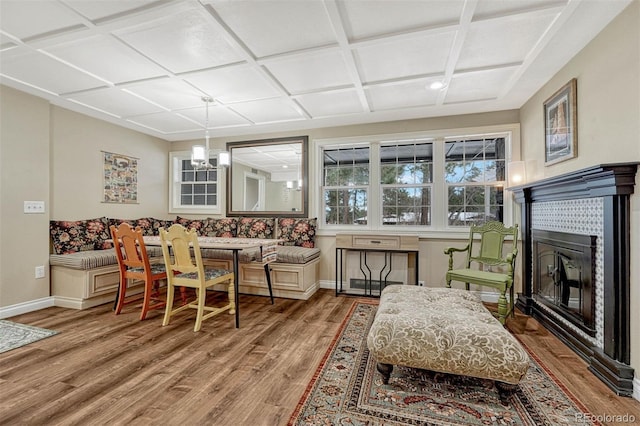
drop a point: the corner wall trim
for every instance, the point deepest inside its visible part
(26, 307)
(636, 388)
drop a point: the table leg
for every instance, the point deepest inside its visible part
(267, 271)
(236, 275)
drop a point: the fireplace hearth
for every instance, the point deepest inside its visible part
(576, 265)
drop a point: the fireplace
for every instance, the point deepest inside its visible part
(576, 264)
(564, 276)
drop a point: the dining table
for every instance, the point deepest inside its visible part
(267, 254)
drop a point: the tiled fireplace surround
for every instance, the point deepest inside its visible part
(593, 201)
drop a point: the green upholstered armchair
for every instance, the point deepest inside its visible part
(487, 245)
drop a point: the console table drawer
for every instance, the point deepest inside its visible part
(384, 242)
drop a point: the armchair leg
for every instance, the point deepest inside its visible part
(502, 308)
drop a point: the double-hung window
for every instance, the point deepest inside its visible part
(406, 173)
(346, 185)
(475, 177)
(191, 190)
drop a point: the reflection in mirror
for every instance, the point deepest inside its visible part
(268, 177)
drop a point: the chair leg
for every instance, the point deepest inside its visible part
(201, 294)
(502, 308)
(169, 307)
(146, 302)
(232, 297)
(267, 271)
(448, 281)
(122, 290)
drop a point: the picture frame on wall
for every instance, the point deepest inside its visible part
(561, 125)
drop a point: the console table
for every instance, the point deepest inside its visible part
(364, 244)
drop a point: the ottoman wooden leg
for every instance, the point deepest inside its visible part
(505, 390)
(385, 370)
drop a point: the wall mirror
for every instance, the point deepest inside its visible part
(268, 177)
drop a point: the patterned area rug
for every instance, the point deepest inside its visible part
(347, 390)
(14, 335)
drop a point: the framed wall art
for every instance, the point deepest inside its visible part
(120, 174)
(561, 125)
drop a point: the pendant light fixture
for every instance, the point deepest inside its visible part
(200, 154)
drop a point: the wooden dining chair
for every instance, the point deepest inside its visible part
(135, 265)
(185, 269)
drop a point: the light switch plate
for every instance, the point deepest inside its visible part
(34, 206)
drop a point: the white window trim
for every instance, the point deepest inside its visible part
(174, 181)
(438, 228)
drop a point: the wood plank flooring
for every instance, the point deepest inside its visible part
(107, 369)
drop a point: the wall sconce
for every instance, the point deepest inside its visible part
(516, 173)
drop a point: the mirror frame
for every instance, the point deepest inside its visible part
(304, 211)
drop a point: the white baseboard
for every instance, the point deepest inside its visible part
(26, 307)
(636, 388)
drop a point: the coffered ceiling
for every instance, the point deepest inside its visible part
(276, 65)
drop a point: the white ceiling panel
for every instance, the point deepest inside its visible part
(170, 93)
(182, 42)
(495, 8)
(115, 101)
(28, 19)
(370, 18)
(166, 122)
(489, 44)
(398, 96)
(108, 58)
(330, 104)
(285, 65)
(57, 78)
(477, 86)
(219, 117)
(277, 26)
(269, 111)
(233, 84)
(100, 9)
(404, 58)
(311, 72)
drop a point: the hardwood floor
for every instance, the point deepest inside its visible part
(108, 369)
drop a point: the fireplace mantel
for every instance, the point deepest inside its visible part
(611, 185)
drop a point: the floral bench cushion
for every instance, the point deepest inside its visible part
(79, 235)
(297, 232)
(444, 330)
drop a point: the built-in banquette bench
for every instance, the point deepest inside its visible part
(84, 268)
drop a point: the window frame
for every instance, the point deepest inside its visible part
(175, 180)
(439, 197)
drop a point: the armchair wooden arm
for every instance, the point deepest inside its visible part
(451, 250)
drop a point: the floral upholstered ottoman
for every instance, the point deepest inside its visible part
(445, 330)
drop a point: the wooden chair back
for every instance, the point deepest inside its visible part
(489, 244)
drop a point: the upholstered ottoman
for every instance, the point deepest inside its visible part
(445, 330)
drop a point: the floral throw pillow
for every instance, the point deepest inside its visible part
(255, 227)
(80, 235)
(297, 232)
(224, 227)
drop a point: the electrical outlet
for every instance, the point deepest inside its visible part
(420, 283)
(40, 271)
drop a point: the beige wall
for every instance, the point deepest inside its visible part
(77, 142)
(608, 71)
(54, 155)
(24, 171)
